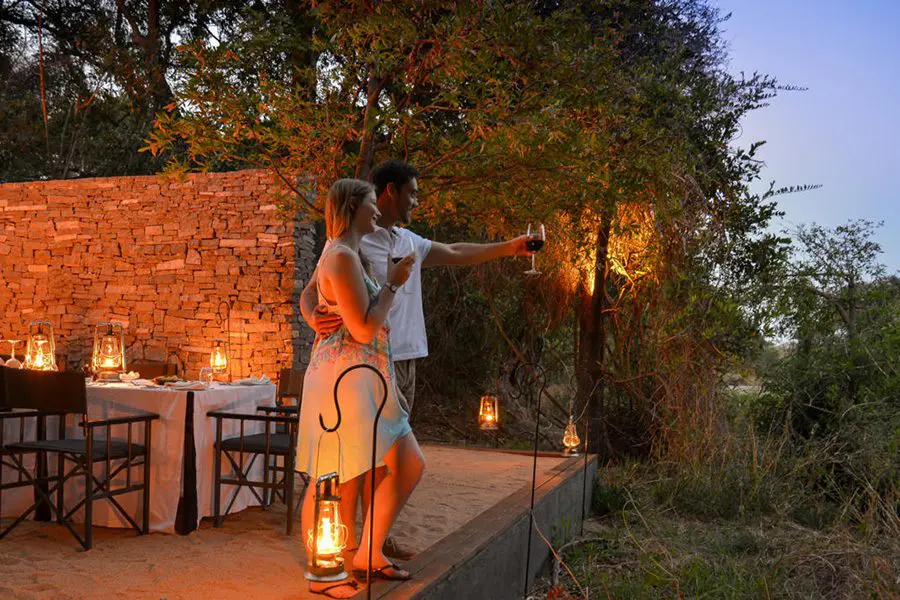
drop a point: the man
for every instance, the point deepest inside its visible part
(397, 191)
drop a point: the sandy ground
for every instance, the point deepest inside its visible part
(249, 556)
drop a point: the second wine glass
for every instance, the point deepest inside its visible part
(401, 247)
(13, 362)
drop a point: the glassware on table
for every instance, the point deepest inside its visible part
(401, 247)
(13, 362)
(533, 244)
(206, 376)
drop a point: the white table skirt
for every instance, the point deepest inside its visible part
(167, 452)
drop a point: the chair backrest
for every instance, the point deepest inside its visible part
(290, 384)
(49, 391)
(3, 406)
(149, 369)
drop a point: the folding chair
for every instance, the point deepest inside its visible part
(269, 444)
(290, 389)
(61, 394)
(289, 399)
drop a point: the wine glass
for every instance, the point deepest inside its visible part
(534, 243)
(401, 247)
(206, 376)
(13, 362)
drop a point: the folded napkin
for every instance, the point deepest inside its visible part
(264, 380)
(187, 385)
(142, 382)
(129, 376)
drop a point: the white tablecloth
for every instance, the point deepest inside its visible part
(167, 452)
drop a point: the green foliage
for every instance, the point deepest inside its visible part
(608, 499)
(719, 492)
(836, 386)
(101, 70)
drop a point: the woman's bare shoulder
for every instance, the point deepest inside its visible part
(341, 260)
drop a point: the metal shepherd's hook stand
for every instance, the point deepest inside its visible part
(223, 319)
(337, 407)
(532, 373)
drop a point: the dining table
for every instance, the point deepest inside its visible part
(182, 456)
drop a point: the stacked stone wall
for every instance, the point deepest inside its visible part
(160, 257)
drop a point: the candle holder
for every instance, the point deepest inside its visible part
(40, 352)
(328, 537)
(108, 360)
(571, 441)
(489, 412)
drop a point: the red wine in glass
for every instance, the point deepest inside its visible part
(533, 244)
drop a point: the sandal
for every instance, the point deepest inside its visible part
(381, 573)
(350, 583)
(393, 549)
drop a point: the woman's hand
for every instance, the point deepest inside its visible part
(398, 273)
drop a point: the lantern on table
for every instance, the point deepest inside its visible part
(40, 352)
(108, 360)
(218, 358)
(571, 440)
(489, 412)
(328, 536)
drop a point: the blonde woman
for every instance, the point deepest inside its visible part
(346, 288)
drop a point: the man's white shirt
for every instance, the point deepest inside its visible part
(407, 317)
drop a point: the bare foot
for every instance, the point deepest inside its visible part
(335, 589)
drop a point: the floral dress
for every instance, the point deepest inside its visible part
(349, 450)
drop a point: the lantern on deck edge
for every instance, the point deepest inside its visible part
(489, 412)
(218, 358)
(109, 351)
(328, 537)
(40, 353)
(570, 439)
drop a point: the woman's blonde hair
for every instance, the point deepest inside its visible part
(344, 198)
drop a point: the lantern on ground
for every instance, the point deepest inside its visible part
(108, 360)
(489, 412)
(571, 442)
(328, 536)
(218, 358)
(40, 352)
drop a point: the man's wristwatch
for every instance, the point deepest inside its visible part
(392, 287)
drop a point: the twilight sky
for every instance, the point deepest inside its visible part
(844, 131)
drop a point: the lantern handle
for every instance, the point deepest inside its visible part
(337, 404)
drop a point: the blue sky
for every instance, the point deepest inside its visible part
(844, 131)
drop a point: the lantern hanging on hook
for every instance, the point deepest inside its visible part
(327, 538)
(489, 412)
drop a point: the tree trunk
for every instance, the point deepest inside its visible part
(366, 159)
(592, 307)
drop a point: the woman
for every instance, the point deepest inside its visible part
(345, 286)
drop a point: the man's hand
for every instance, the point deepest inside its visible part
(518, 246)
(325, 323)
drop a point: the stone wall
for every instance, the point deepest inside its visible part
(158, 256)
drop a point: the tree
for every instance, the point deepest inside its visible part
(609, 121)
(85, 80)
(837, 304)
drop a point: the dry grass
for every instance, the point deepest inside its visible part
(647, 545)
